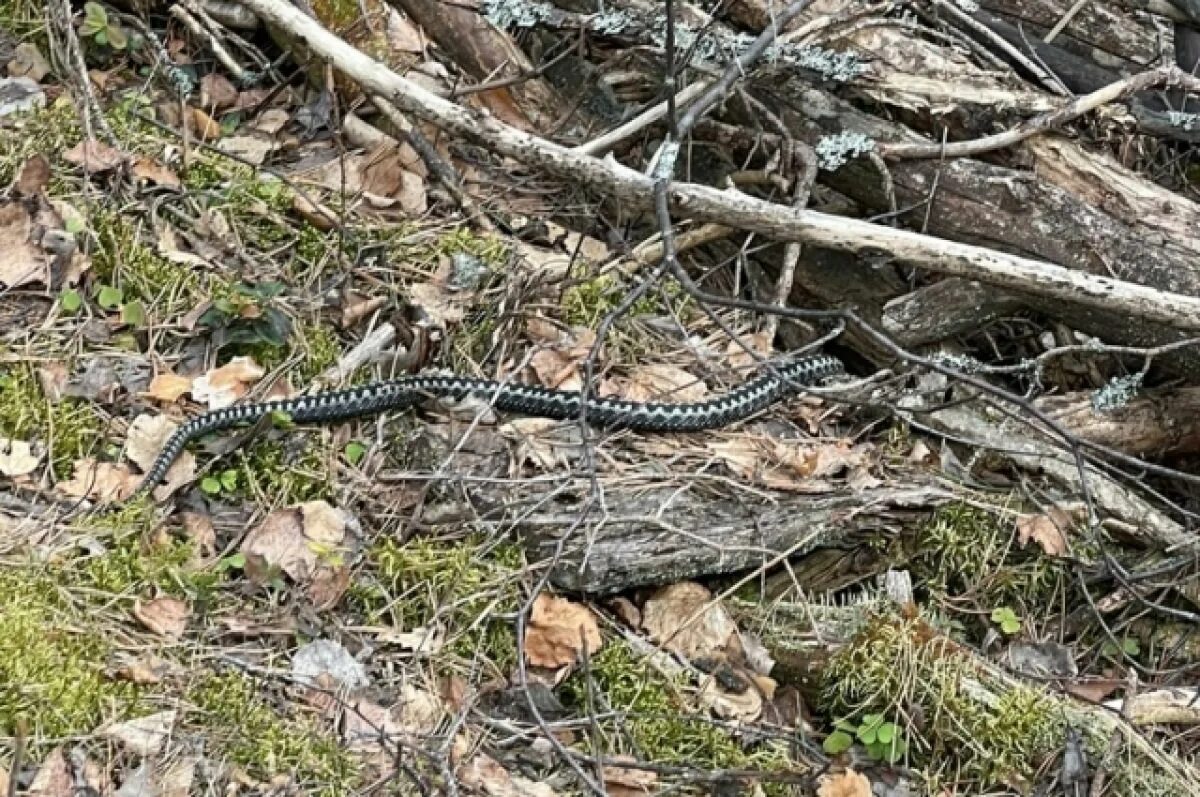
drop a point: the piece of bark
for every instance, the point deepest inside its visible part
(1154, 424)
(664, 535)
(486, 53)
(943, 310)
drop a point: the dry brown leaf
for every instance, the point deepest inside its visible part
(484, 773)
(223, 386)
(403, 35)
(168, 388)
(844, 784)
(94, 156)
(53, 778)
(204, 126)
(411, 194)
(16, 458)
(680, 618)
(29, 62)
(270, 121)
(548, 444)
(745, 705)
(626, 781)
(736, 355)
(104, 482)
(1047, 530)
(558, 630)
(144, 736)
(1094, 690)
(442, 307)
(280, 541)
(33, 177)
(323, 523)
(149, 669)
(20, 261)
(152, 171)
(199, 529)
(664, 383)
(217, 92)
(165, 616)
(414, 716)
(556, 369)
(283, 540)
(146, 437)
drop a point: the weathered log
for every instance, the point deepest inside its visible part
(664, 534)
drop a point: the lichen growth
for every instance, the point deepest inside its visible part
(253, 735)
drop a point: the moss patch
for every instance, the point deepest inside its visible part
(459, 585)
(51, 665)
(252, 734)
(68, 426)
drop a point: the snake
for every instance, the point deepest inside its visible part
(778, 380)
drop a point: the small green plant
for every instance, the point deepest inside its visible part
(224, 482)
(99, 28)
(354, 452)
(108, 297)
(1128, 647)
(1007, 619)
(883, 740)
(70, 300)
(248, 317)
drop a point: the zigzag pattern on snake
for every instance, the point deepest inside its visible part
(398, 394)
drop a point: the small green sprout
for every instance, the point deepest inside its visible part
(1007, 619)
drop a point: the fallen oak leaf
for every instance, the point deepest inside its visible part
(168, 387)
(558, 630)
(165, 616)
(105, 482)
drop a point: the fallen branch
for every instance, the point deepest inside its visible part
(737, 210)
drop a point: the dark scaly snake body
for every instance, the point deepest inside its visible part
(398, 394)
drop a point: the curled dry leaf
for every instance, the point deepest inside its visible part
(414, 716)
(53, 778)
(146, 438)
(152, 171)
(21, 262)
(144, 736)
(168, 388)
(626, 781)
(94, 156)
(680, 618)
(223, 386)
(558, 630)
(664, 383)
(308, 543)
(1047, 530)
(16, 458)
(727, 704)
(165, 616)
(844, 784)
(33, 177)
(105, 482)
(484, 774)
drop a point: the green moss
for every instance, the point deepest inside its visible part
(460, 585)
(252, 734)
(48, 131)
(268, 469)
(965, 550)
(654, 721)
(589, 301)
(897, 668)
(70, 426)
(51, 664)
